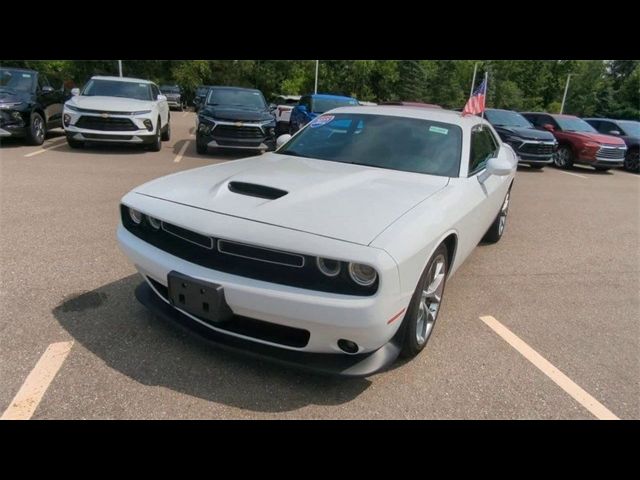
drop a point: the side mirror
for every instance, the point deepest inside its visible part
(548, 127)
(272, 106)
(282, 139)
(75, 92)
(162, 97)
(47, 89)
(614, 132)
(499, 166)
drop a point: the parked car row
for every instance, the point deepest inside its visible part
(541, 138)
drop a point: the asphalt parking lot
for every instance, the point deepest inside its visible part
(564, 279)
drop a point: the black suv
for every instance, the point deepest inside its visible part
(627, 130)
(29, 105)
(533, 147)
(233, 117)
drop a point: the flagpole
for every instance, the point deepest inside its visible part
(486, 84)
(315, 90)
(473, 82)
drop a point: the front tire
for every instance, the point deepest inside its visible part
(156, 146)
(201, 148)
(166, 135)
(75, 144)
(494, 234)
(37, 129)
(632, 161)
(563, 158)
(425, 304)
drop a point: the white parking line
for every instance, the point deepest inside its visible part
(574, 174)
(582, 397)
(181, 152)
(34, 387)
(42, 150)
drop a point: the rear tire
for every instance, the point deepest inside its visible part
(37, 131)
(495, 232)
(425, 304)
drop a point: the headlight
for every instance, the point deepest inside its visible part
(66, 119)
(141, 112)
(362, 274)
(330, 268)
(71, 107)
(205, 128)
(208, 119)
(10, 105)
(512, 139)
(154, 222)
(135, 215)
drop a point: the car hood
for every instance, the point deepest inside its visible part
(343, 201)
(110, 104)
(526, 133)
(597, 137)
(236, 114)
(9, 95)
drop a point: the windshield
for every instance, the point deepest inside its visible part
(321, 105)
(397, 143)
(630, 128)
(503, 118)
(116, 88)
(169, 89)
(237, 98)
(17, 80)
(573, 124)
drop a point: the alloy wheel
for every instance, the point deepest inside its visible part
(430, 299)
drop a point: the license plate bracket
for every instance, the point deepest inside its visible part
(202, 299)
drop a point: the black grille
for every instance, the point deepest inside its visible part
(611, 153)
(232, 131)
(112, 124)
(537, 149)
(194, 248)
(250, 327)
(97, 136)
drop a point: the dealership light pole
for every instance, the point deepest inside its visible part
(120, 67)
(315, 90)
(564, 97)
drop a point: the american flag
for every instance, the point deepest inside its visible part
(475, 104)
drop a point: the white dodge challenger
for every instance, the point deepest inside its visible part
(331, 253)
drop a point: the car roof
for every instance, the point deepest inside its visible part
(226, 87)
(330, 96)
(435, 114)
(503, 110)
(552, 115)
(20, 69)
(412, 104)
(121, 79)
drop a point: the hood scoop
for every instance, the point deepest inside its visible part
(255, 190)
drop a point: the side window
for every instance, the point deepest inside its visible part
(483, 147)
(154, 91)
(548, 119)
(606, 127)
(595, 124)
(533, 119)
(42, 81)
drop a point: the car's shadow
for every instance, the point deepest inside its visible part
(111, 324)
(16, 142)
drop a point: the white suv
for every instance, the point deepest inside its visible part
(117, 110)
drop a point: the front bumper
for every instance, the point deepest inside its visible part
(359, 365)
(12, 131)
(532, 160)
(13, 123)
(600, 162)
(111, 137)
(328, 317)
(137, 134)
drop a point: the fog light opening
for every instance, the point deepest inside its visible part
(348, 346)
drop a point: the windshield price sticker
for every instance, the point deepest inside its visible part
(323, 120)
(443, 131)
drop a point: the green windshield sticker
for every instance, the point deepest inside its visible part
(26, 75)
(443, 131)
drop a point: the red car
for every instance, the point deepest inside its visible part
(579, 142)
